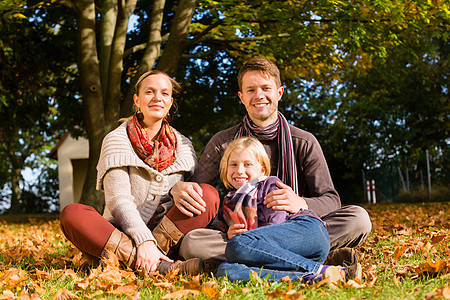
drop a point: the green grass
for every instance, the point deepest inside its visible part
(49, 268)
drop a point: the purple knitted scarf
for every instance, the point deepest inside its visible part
(287, 168)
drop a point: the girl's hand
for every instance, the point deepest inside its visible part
(235, 229)
(148, 256)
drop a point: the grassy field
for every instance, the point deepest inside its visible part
(405, 257)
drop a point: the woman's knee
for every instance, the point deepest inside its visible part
(211, 197)
(71, 213)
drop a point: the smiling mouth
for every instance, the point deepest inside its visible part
(240, 180)
(259, 105)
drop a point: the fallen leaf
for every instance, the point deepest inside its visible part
(399, 252)
(209, 289)
(181, 294)
(63, 294)
(442, 292)
(437, 238)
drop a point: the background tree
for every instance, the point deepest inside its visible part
(32, 62)
(202, 43)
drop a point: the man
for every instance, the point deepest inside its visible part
(296, 158)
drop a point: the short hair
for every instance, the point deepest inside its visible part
(176, 87)
(250, 144)
(261, 64)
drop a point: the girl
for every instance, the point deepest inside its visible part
(244, 168)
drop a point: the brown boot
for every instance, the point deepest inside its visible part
(191, 266)
(124, 247)
(342, 257)
(167, 235)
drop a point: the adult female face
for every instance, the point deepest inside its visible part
(154, 98)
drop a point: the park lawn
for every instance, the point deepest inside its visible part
(405, 257)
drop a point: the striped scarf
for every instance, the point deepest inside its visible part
(287, 168)
(241, 206)
(158, 154)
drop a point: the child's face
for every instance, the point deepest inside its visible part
(242, 167)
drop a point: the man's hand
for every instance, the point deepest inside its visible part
(285, 199)
(148, 257)
(188, 197)
(235, 229)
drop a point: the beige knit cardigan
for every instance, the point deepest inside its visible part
(132, 189)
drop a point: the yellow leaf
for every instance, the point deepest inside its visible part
(19, 15)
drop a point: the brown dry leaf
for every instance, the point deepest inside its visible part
(33, 296)
(111, 275)
(7, 294)
(37, 287)
(442, 292)
(63, 294)
(432, 267)
(181, 294)
(296, 295)
(254, 275)
(12, 278)
(437, 238)
(276, 294)
(163, 284)
(127, 289)
(399, 252)
(210, 289)
(354, 285)
(41, 275)
(193, 284)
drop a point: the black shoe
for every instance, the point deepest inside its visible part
(342, 257)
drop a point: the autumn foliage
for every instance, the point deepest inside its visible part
(406, 254)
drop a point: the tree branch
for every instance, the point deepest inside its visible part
(244, 39)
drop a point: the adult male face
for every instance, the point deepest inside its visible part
(260, 95)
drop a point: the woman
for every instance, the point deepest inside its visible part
(139, 162)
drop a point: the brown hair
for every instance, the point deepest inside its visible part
(253, 146)
(175, 85)
(261, 64)
(176, 88)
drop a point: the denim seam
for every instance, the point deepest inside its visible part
(315, 268)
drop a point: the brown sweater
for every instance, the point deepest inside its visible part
(315, 184)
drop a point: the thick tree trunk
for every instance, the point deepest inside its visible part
(93, 107)
(178, 37)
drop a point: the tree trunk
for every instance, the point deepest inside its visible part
(93, 105)
(178, 37)
(15, 207)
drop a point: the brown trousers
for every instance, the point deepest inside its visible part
(89, 231)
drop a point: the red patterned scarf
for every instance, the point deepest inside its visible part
(158, 154)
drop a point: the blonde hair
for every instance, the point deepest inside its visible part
(253, 146)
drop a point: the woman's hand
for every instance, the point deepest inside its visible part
(285, 199)
(188, 197)
(235, 229)
(148, 257)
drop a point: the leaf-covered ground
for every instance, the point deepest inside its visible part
(405, 257)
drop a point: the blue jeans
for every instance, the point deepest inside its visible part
(294, 248)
